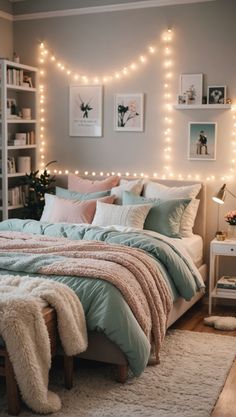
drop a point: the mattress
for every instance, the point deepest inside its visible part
(194, 247)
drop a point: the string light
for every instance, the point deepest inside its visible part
(117, 75)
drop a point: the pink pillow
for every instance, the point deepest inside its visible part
(73, 211)
(82, 185)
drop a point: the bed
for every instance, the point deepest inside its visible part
(116, 321)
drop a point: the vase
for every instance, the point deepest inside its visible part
(231, 231)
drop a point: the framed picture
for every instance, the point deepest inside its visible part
(216, 94)
(202, 141)
(85, 110)
(129, 112)
(191, 88)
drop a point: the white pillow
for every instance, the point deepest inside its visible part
(134, 187)
(188, 218)
(131, 216)
(48, 207)
(156, 190)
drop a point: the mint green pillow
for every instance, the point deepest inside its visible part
(74, 195)
(165, 215)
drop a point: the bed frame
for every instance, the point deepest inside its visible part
(100, 348)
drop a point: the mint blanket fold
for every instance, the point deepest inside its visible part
(25, 334)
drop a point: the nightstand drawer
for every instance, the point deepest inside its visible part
(225, 249)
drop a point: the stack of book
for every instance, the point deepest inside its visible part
(226, 286)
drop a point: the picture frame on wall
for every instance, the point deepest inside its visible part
(190, 90)
(216, 94)
(85, 110)
(129, 112)
(202, 141)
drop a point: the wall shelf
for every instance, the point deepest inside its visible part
(202, 106)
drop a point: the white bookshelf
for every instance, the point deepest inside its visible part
(18, 88)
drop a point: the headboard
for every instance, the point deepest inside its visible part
(200, 222)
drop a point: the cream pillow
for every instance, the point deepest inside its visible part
(156, 190)
(131, 216)
(188, 218)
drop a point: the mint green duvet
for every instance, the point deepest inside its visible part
(105, 309)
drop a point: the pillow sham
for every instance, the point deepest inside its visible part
(131, 216)
(82, 185)
(60, 210)
(74, 195)
(134, 186)
(165, 215)
(156, 190)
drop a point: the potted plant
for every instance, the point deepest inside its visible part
(37, 184)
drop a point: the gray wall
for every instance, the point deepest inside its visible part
(204, 41)
(6, 31)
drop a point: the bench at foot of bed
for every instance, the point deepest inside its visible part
(6, 369)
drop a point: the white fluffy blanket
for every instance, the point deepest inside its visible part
(24, 331)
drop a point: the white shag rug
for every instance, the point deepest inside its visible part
(187, 383)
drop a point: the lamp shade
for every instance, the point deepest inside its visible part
(220, 196)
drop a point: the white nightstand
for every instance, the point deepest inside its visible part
(219, 248)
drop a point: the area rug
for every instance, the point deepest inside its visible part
(187, 383)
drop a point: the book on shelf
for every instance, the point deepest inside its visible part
(226, 282)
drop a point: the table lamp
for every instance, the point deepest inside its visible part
(219, 198)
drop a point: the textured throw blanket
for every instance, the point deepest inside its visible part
(25, 334)
(131, 270)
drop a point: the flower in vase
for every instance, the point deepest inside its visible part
(230, 217)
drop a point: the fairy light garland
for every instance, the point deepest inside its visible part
(74, 75)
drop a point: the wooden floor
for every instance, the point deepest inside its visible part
(193, 320)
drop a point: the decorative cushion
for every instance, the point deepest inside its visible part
(221, 323)
(134, 186)
(82, 185)
(188, 218)
(131, 216)
(156, 190)
(165, 215)
(74, 195)
(59, 210)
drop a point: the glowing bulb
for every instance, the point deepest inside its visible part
(41, 60)
(68, 72)
(41, 45)
(76, 172)
(85, 172)
(101, 174)
(96, 80)
(66, 171)
(125, 71)
(53, 58)
(127, 174)
(42, 119)
(76, 77)
(93, 174)
(42, 72)
(42, 110)
(117, 75)
(143, 59)
(59, 65)
(133, 66)
(151, 49)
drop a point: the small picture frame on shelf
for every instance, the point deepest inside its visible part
(202, 141)
(191, 88)
(216, 94)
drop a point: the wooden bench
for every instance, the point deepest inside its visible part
(6, 369)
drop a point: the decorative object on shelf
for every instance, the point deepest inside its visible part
(85, 110)
(228, 101)
(191, 87)
(23, 164)
(129, 112)
(182, 99)
(11, 165)
(202, 141)
(26, 113)
(16, 58)
(204, 100)
(37, 185)
(216, 95)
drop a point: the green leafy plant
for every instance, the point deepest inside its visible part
(36, 186)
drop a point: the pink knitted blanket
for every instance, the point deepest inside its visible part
(131, 270)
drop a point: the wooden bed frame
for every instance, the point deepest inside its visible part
(100, 348)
